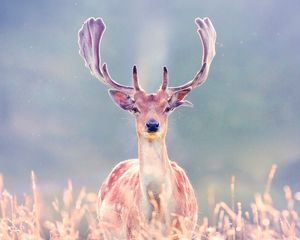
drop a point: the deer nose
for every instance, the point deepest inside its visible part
(152, 125)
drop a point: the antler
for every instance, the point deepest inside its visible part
(165, 80)
(208, 37)
(89, 40)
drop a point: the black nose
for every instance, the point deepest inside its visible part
(152, 125)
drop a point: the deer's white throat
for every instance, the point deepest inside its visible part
(155, 175)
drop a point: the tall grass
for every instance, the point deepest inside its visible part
(75, 217)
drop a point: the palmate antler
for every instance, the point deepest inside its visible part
(89, 40)
(90, 36)
(208, 37)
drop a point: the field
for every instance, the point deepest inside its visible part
(75, 217)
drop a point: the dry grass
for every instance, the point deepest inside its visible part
(76, 218)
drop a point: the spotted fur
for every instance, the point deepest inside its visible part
(121, 194)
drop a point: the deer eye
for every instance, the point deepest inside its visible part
(168, 109)
(135, 110)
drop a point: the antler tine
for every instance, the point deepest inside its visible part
(89, 40)
(111, 83)
(208, 37)
(135, 79)
(165, 80)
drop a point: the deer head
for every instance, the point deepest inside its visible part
(151, 111)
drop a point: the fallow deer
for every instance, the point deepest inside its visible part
(152, 187)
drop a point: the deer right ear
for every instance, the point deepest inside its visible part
(122, 99)
(177, 99)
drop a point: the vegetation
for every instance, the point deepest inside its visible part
(76, 218)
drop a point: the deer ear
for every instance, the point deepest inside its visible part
(122, 99)
(177, 98)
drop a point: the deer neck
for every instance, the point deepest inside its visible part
(155, 175)
(153, 157)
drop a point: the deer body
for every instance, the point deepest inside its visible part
(124, 209)
(150, 192)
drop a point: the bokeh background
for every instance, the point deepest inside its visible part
(59, 121)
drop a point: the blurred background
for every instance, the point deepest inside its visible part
(59, 121)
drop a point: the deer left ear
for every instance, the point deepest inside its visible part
(122, 99)
(177, 98)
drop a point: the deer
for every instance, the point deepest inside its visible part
(151, 189)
